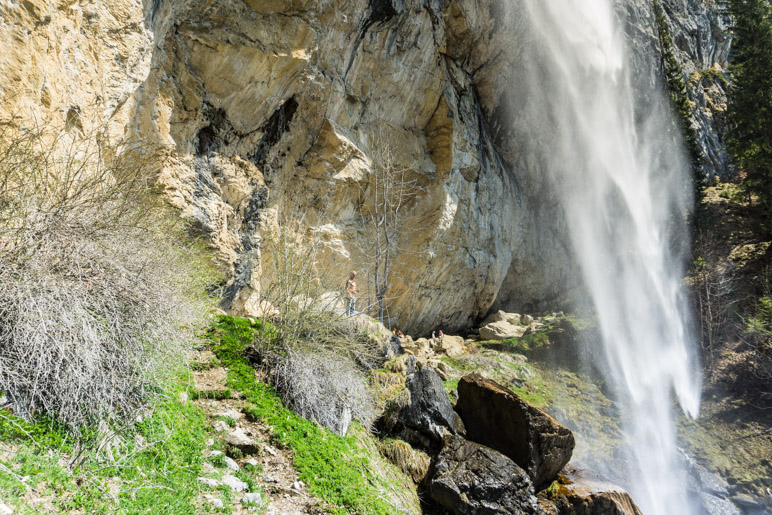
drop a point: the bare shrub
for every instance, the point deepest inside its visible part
(100, 289)
(324, 386)
(318, 357)
(382, 207)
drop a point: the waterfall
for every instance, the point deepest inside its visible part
(611, 154)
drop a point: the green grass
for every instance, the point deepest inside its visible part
(334, 468)
(156, 477)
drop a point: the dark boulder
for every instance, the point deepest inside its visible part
(427, 411)
(581, 492)
(468, 478)
(495, 416)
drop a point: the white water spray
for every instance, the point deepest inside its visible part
(623, 184)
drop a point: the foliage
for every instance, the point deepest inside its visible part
(100, 290)
(679, 99)
(711, 75)
(759, 328)
(332, 466)
(153, 467)
(750, 100)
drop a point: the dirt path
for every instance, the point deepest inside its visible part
(277, 476)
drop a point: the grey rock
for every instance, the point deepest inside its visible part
(705, 481)
(714, 505)
(238, 438)
(235, 484)
(470, 478)
(429, 412)
(208, 481)
(751, 506)
(231, 464)
(252, 498)
(217, 503)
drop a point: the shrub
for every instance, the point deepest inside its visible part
(316, 356)
(100, 289)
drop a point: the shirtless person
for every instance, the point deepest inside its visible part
(351, 291)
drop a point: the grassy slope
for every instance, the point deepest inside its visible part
(338, 470)
(155, 471)
(158, 460)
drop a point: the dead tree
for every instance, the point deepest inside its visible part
(382, 208)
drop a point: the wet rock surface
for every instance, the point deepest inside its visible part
(495, 416)
(582, 492)
(470, 478)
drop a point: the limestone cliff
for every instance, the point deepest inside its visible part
(266, 107)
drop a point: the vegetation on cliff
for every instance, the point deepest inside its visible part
(679, 98)
(750, 102)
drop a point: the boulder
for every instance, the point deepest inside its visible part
(498, 316)
(470, 478)
(235, 484)
(582, 492)
(450, 346)
(495, 416)
(428, 411)
(501, 331)
(420, 348)
(237, 438)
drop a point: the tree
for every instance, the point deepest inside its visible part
(750, 101)
(382, 207)
(679, 99)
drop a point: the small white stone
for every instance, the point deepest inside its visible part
(211, 483)
(7, 510)
(251, 498)
(298, 485)
(217, 503)
(236, 484)
(213, 453)
(207, 468)
(220, 426)
(252, 461)
(231, 464)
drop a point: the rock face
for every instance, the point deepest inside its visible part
(585, 493)
(496, 417)
(429, 412)
(264, 109)
(470, 478)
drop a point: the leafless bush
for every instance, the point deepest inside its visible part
(318, 357)
(382, 207)
(713, 291)
(324, 386)
(100, 290)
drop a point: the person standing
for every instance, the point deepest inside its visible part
(351, 292)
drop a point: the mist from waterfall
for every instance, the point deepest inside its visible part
(612, 156)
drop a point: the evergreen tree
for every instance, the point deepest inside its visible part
(679, 98)
(750, 101)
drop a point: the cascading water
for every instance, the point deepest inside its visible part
(612, 156)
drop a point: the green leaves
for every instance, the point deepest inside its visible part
(750, 101)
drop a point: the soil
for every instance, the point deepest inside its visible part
(278, 478)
